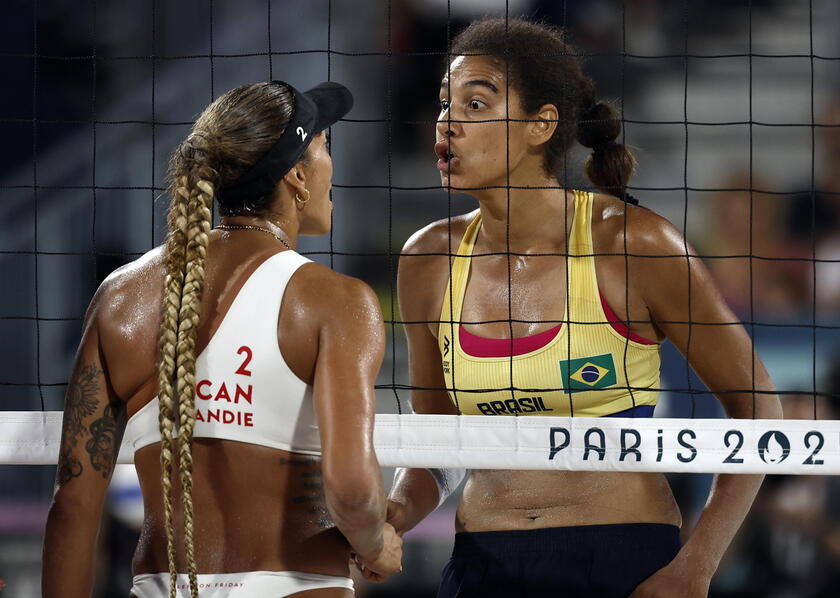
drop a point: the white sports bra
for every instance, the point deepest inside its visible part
(244, 389)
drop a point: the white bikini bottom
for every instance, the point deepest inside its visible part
(253, 584)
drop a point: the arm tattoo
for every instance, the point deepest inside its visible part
(68, 467)
(105, 438)
(105, 433)
(80, 403)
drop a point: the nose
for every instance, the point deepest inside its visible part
(446, 127)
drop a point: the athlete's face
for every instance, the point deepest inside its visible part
(475, 141)
(315, 216)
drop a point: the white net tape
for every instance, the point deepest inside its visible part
(580, 443)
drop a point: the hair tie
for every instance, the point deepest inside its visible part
(602, 147)
(587, 111)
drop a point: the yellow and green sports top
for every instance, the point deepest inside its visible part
(591, 365)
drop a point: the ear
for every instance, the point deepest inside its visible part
(296, 179)
(543, 126)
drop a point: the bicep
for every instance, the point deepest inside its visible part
(351, 346)
(692, 313)
(93, 425)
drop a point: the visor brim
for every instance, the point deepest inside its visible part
(333, 101)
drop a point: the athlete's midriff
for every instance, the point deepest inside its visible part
(501, 500)
(256, 509)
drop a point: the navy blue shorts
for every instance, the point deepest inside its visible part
(598, 561)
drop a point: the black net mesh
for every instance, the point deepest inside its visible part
(730, 106)
(91, 119)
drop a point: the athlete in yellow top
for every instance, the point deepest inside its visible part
(589, 365)
(532, 322)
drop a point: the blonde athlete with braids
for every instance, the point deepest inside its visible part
(556, 304)
(247, 392)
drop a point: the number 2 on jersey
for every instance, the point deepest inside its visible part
(243, 369)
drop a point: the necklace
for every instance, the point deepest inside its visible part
(254, 227)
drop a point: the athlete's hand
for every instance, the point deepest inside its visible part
(678, 579)
(397, 516)
(379, 566)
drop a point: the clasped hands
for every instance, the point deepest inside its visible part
(387, 561)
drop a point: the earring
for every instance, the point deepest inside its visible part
(303, 201)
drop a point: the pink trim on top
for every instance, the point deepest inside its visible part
(479, 346)
(620, 326)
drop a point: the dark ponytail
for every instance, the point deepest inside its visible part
(611, 164)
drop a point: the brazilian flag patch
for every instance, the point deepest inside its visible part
(588, 373)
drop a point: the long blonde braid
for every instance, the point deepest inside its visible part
(228, 137)
(186, 247)
(189, 318)
(176, 247)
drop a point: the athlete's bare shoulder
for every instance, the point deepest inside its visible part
(130, 288)
(440, 237)
(619, 227)
(125, 313)
(137, 271)
(322, 294)
(425, 256)
(424, 265)
(322, 306)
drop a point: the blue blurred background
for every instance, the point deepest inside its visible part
(96, 95)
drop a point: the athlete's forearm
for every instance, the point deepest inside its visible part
(69, 547)
(732, 495)
(731, 498)
(355, 497)
(417, 491)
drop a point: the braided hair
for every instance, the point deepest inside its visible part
(542, 67)
(227, 138)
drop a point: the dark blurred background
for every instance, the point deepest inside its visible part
(741, 153)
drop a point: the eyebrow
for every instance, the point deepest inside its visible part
(475, 82)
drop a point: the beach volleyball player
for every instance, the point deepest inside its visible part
(248, 390)
(513, 100)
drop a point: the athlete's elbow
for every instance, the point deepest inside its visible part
(75, 503)
(352, 496)
(355, 513)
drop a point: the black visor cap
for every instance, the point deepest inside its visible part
(314, 111)
(333, 101)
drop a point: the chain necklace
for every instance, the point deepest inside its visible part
(254, 227)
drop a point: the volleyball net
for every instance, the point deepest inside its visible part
(61, 237)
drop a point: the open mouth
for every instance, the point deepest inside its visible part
(446, 157)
